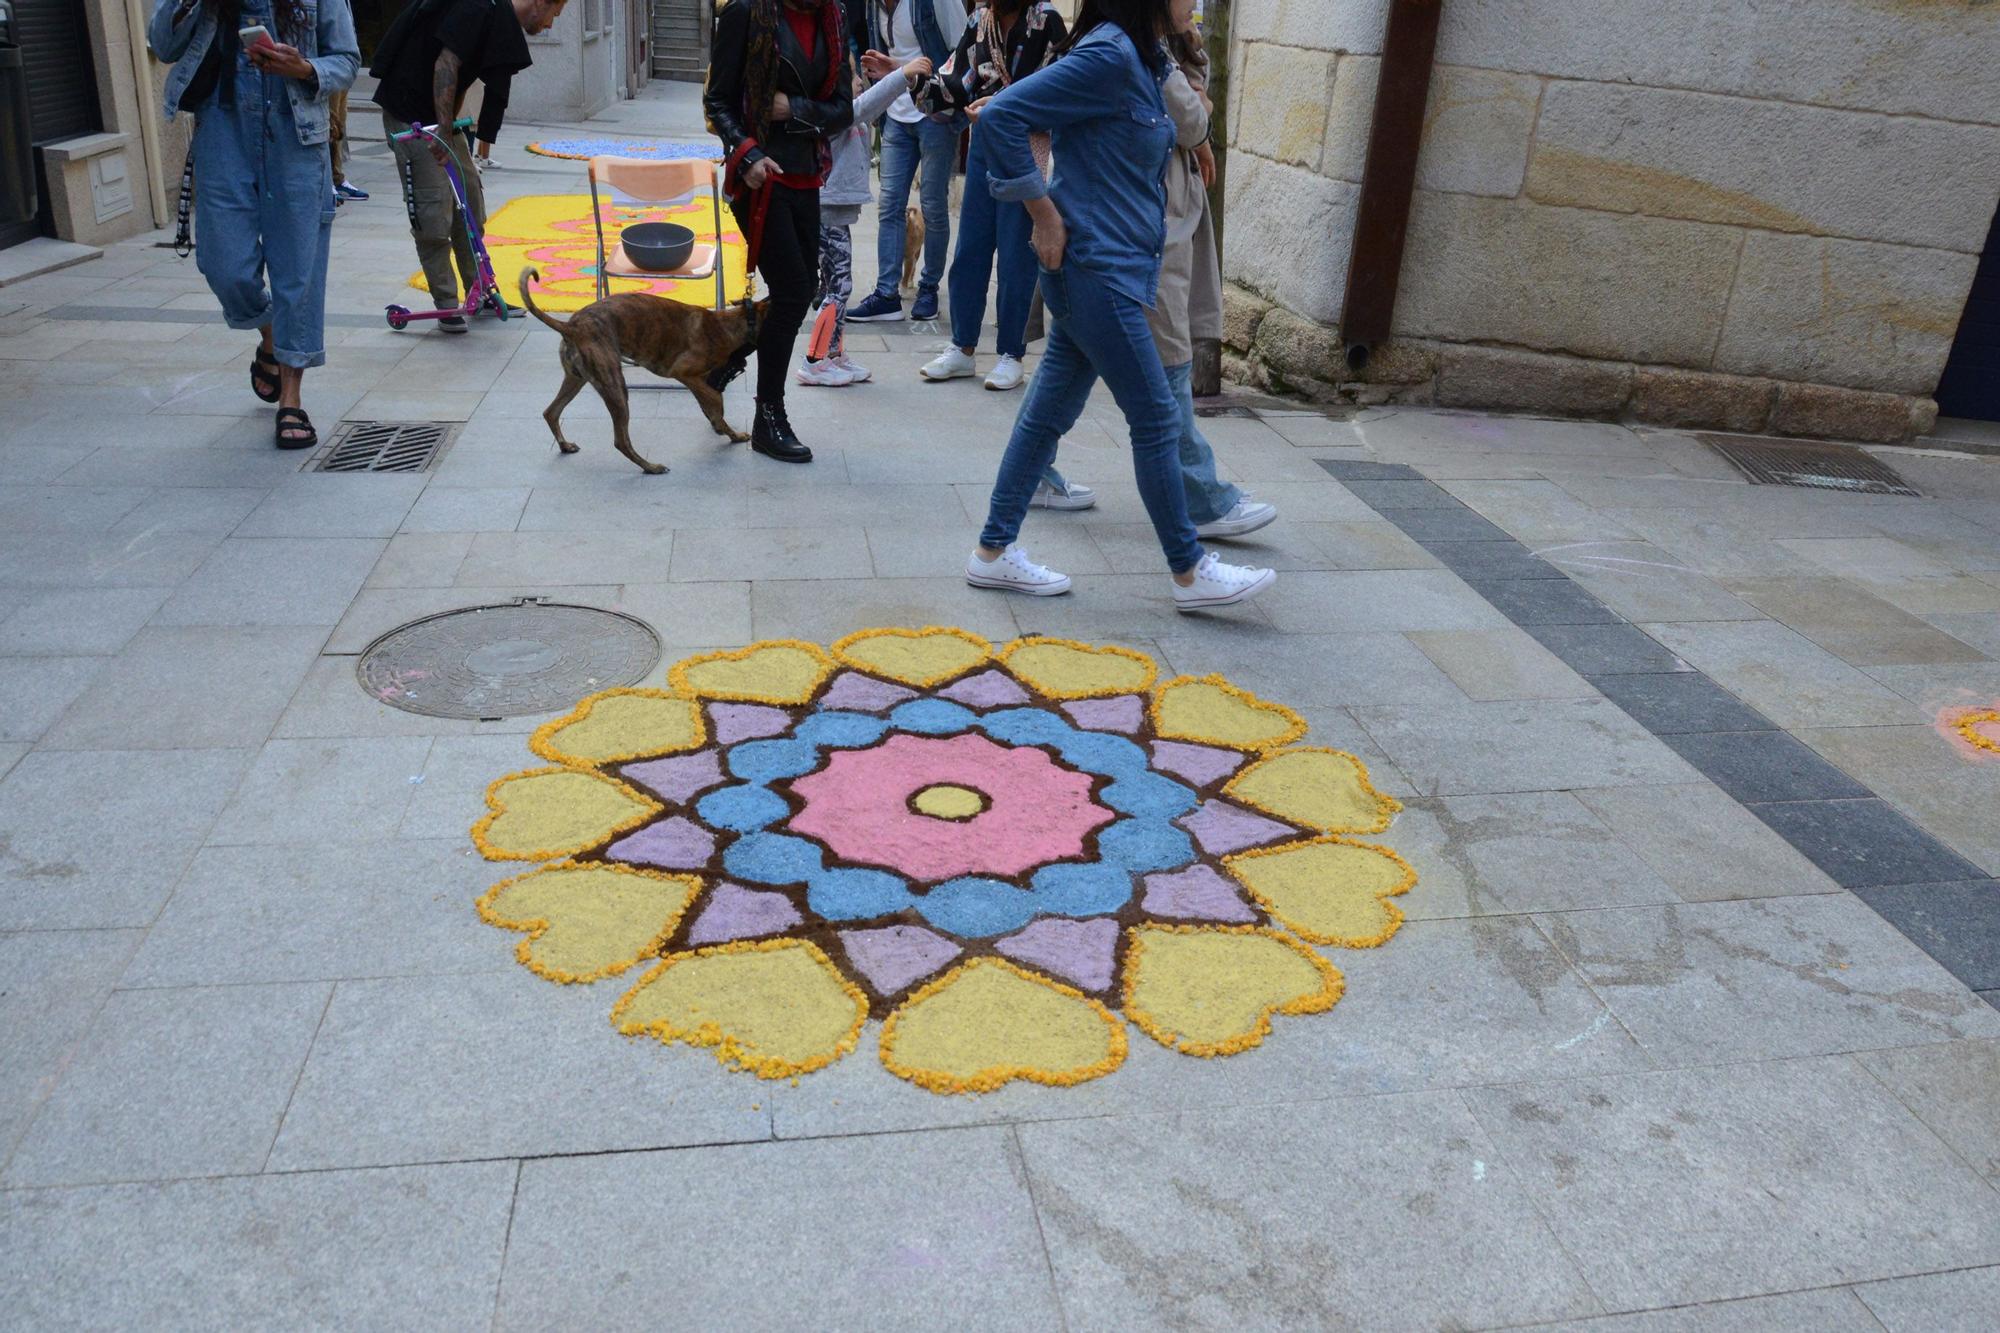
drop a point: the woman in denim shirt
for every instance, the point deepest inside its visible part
(1099, 229)
(263, 182)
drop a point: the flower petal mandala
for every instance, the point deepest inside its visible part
(923, 657)
(545, 813)
(776, 1008)
(988, 1022)
(585, 922)
(1320, 788)
(1211, 990)
(777, 671)
(1330, 890)
(615, 725)
(1211, 711)
(1063, 669)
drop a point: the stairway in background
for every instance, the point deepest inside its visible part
(680, 39)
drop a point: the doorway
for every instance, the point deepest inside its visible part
(1970, 387)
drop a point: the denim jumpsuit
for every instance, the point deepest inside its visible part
(263, 181)
(1112, 139)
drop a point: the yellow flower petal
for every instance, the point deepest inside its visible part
(1064, 669)
(616, 725)
(1209, 710)
(777, 1008)
(1329, 890)
(778, 671)
(920, 657)
(588, 921)
(988, 1022)
(1211, 990)
(1323, 789)
(545, 813)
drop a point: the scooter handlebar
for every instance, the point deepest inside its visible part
(429, 131)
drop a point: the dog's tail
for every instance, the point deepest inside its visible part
(533, 274)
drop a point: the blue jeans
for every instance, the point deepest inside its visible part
(264, 208)
(988, 228)
(902, 147)
(1095, 332)
(1208, 496)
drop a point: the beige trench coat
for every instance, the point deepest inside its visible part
(1189, 305)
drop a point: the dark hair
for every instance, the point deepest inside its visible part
(1142, 20)
(1188, 53)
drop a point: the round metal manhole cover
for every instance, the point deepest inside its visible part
(513, 660)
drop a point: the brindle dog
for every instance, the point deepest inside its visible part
(703, 349)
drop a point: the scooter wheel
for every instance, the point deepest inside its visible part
(399, 318)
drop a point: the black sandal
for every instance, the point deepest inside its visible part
(295, 418)
(264, 376)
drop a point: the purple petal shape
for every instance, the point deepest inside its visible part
(678, 777)
(736, 913)
(1079, 951)
(890, 958)
(742, 722)
(675, 843)
(989, 689)
(1123, 713)
(1199, 764)
(1199, 893)
(1221, 828)
(864, 694)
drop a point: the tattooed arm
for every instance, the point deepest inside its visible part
(444, 89)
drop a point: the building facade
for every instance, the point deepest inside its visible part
(1720, 213)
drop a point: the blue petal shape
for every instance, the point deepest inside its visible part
(978, 908)
(767, 761)
(1148, 794)
(1026, 726)
(934, 717)
(1098, 752)
(1139, 845)
(857, 895)
(1081, 890)
(840, 731)
(773, 858)
(742, 809)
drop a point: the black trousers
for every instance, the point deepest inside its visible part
(789, 263)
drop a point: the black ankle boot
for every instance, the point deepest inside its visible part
(772, 435)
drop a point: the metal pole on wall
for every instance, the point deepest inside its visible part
(1215, 34)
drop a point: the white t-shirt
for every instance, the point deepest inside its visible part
(903, 49)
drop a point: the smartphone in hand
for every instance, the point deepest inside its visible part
(254, 36)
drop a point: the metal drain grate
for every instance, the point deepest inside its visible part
(516, 659)
(1825, 467)
(386, 446)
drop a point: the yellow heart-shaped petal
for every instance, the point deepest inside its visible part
(1330, 890)
(1063, 669)
(1211, 990)
(777, 1008)
(544, 813)
(777, 671)
(920, 657)
(588, 921)
(1320, 788)
(1210, 710)
(988, 1022)
(615, 725)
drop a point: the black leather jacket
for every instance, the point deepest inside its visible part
(795, 145)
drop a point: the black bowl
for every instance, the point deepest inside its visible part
(657, 247)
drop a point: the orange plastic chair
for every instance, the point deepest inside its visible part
(656, 183)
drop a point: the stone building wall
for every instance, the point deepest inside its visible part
(1730, 213)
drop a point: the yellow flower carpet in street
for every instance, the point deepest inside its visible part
(1005, 854)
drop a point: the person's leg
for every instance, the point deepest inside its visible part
(1054, 403)
(1208, 496)
(432, 211)
(336, 136)
(899, 164)
(939, 147)
(837, 282)
(788, 263)
(228, 189)
(475, 198)
(972, 261)
(1014, 254)
(1112, 331)
(297, 223)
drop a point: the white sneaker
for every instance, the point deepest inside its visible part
(1217, 584)
(1077, 496)
(1246, 517)
(950, 364)
(1014, 572)
(825, 373)
(1007, 374)
(860, 373)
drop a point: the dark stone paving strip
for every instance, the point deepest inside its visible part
(132, 314)
(1943, 903)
